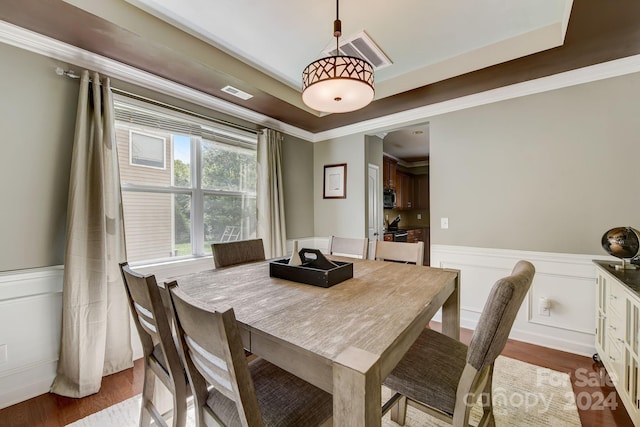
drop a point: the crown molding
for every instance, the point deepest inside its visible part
(605, 70)
(46, 46)
(52, 48)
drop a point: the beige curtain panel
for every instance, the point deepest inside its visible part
(96, 336)
(270, 194)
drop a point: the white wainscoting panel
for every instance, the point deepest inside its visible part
(566, 280)
(30, 320)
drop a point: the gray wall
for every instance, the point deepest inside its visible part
(297, 159)
(548, 172)
(37, 117)
(340, 217)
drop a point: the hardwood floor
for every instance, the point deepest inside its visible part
(54, 411)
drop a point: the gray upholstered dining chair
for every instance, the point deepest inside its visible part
(443, 376)
(355, 248)
(237, 252)
(160, 353)
(227, 389)
(400, 251)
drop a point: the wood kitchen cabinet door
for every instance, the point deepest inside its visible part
(389, 167)
(404, 191)
(421, 191)
(415, 235)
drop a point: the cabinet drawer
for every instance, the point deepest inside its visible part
(617, 299)
(616, 329)
(615, 363)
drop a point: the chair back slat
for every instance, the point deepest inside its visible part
(212, 346)
(343, 246)
(400, 251)
(142, 303)
(498, 315)
(212, 368)
(152, 321)
(147, 321)
(238, 252)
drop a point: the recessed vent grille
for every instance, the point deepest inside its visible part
(237, 92)
(361, 46)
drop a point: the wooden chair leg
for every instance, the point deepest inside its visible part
(147, 396)
(487, 402)
(180, 410)
(399, 411)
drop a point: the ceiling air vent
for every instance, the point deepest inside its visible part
(237, 92)
(361, 46)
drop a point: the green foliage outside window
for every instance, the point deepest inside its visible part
(226, 216)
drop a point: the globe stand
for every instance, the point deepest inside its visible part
(626, 265)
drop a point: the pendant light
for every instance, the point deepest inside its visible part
(339, 83)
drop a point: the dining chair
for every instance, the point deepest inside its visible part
(237, 252)
(445, 377)
(400, 251)
(354, 248)
(228, 390)
(160, 353)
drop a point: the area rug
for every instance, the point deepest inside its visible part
(523, 395)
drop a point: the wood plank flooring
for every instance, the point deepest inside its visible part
(49, 410)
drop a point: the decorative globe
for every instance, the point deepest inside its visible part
(622, 242)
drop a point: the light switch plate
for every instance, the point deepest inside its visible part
(444, 223)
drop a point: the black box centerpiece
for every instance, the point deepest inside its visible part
(315, 270)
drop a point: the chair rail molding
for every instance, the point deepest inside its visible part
(567, 281)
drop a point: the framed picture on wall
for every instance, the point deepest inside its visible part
(335, 181)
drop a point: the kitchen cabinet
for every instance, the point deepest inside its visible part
(618, 333)
(415, 235)
(421, 191)
(389, 167)
(404, 191)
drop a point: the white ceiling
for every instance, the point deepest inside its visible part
(407, 143)
(427, 40)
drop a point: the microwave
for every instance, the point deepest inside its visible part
(389, 198)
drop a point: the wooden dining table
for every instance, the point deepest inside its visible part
(344, 339)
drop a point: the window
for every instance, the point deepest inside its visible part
(197, 185)
(146, 150)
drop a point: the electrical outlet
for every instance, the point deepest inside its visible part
(444, 223)
(419, 216)
(544, 307)
(3, 353)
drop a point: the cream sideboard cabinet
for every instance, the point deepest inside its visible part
(618, 332)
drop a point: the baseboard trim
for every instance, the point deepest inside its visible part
(27, 382)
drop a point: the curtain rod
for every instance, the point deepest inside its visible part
(72, 74)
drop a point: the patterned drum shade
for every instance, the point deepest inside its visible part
(337, 84)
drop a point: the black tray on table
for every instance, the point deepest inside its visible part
(315, 270)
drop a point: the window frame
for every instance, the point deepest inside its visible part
(195, 190)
